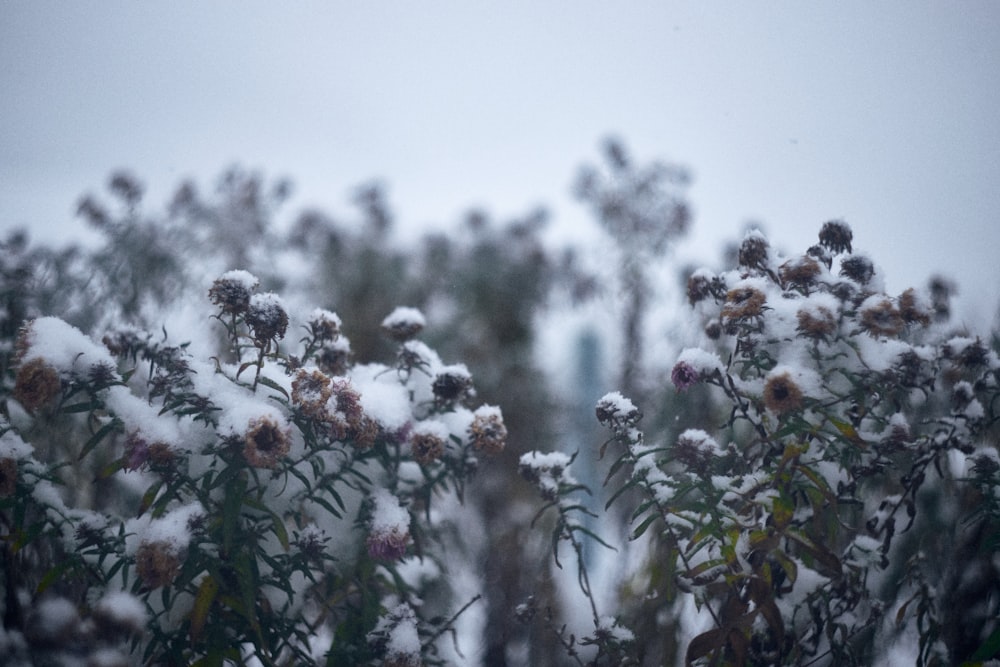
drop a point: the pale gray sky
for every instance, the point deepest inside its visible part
(789, 113)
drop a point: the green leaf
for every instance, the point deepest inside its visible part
(642, 527)
(149, 497)
(95, 439)
(207, 591)
(88, 406)
(268, 382)
(989, 648)
(52, 576)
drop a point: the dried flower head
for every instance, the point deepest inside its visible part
(265, 443)
(403, 323)
(713, 329)
(753, 250)
(428, 441)
(820, 254)
(37, 384)
(702, 284)
(451, 385)
(836, 235)
(334, 358)
(311, 543)
(617, 412)
(142, 454)
(231, 291)
(8, 477)
(389, 532)
(816, 322)
(364, 432)
(858, 268)
(324, 326)
(157, 563)
(801, 272)
(684, 376)
(266, 318)
(743, 303)
(913, 309)
(781, 394)
(487, 431)
(879, 317)
(696, 449)
(310, 392)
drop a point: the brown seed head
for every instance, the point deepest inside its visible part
(37, 384)
(781, 394)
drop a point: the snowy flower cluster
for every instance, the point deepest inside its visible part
(840, 421)
(257, 504)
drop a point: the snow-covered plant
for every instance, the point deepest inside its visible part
(842, 505)
(276, 504)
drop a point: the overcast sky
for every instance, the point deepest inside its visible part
(788, 113)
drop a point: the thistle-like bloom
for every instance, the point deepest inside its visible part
(880, 318)
(781, 394)
(37, 384)
(487, 431)
(836, 236)
(231, 291)
(428, 441)
(265, 443)
(913, 309)
(743, 303)
(324, 325)
(753, 250)
(858, 268)
(817, 323)
(801, 272)
(684, 376)
(451, 384)
(696, 449)
(141, 454)
(310, 392)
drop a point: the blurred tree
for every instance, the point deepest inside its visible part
(643, 210)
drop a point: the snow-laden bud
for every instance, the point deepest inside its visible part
(267, 318)
(452, 384)
(395, 636)
(231, 291)
(487, 432)
(324, 325)
(403, 323)
(753, 251)
(428, 440)
(617, 412)
(389, 532)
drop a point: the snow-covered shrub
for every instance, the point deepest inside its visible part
(842, 506)
(263, 506)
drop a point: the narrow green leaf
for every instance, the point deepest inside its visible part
(95, 439)
(268, 382)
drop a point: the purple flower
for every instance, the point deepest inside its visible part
(684, 375)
